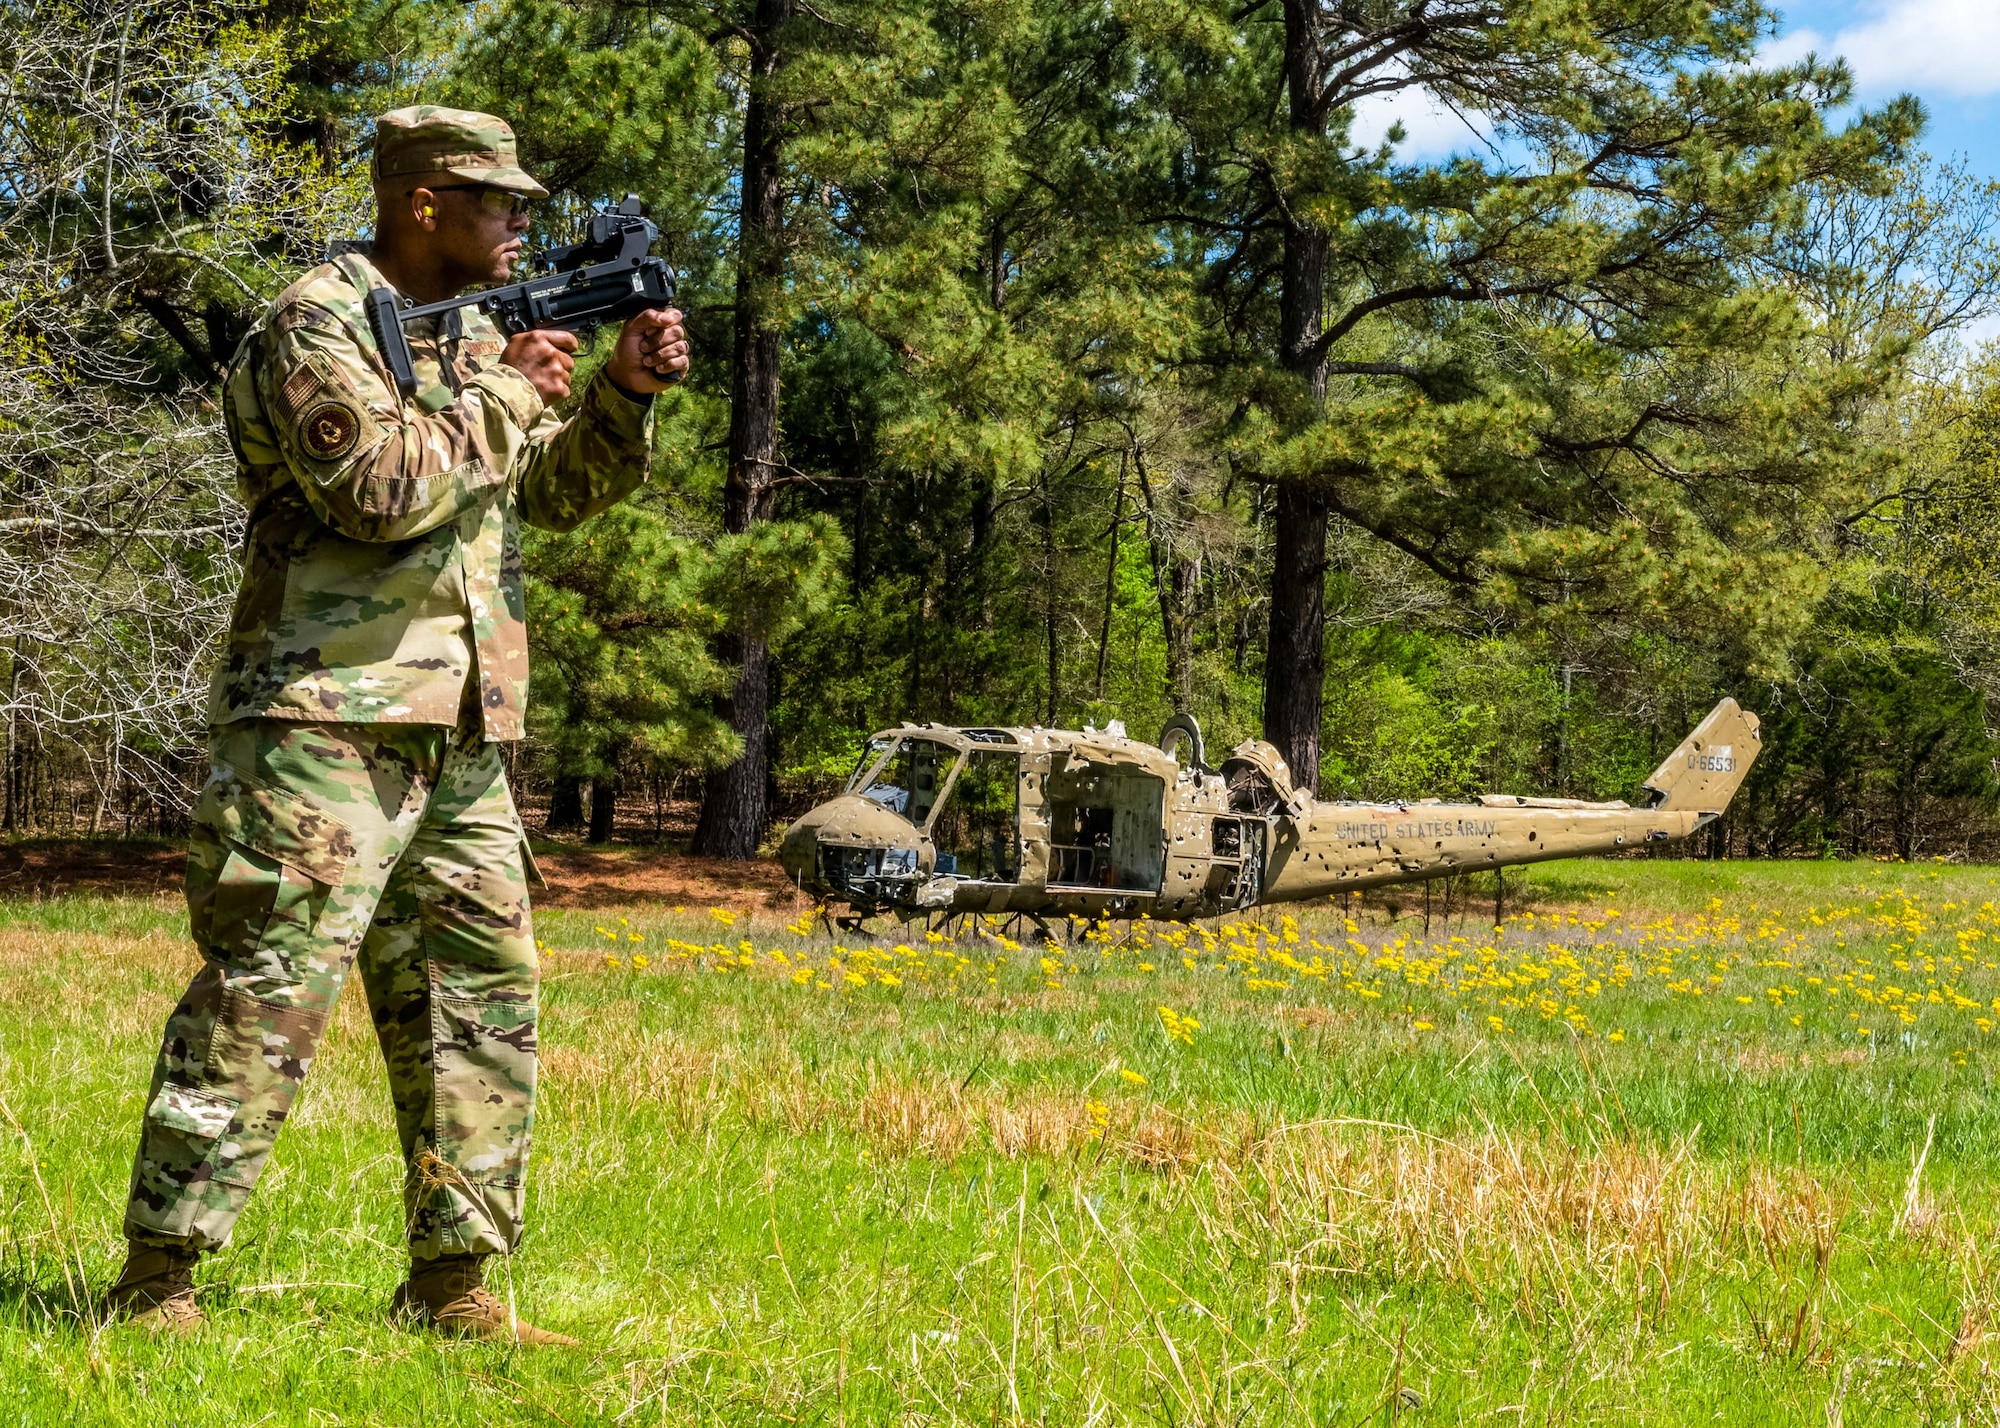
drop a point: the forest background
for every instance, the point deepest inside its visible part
(1063, 362)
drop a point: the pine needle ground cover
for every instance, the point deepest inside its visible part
(1677, 1142)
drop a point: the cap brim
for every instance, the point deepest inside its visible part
(513, 180)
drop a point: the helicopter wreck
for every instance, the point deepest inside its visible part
(1046, 822)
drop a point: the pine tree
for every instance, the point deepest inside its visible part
(1545, 375)
(619, 621)
(848, 112)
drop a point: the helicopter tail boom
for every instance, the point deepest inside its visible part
(1703, 774)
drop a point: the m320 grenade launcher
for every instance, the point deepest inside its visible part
(608, 277)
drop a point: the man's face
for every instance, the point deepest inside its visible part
(477, 232)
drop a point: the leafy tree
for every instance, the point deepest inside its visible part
(1545, 375)
(1013, 400)
(862, 128)
(619, 625)
(150, 200)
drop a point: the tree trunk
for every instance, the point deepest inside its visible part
(1171, 581)
(10, 813)
(1051, 610)
(1110, 584)
(1177, 595)
(566, 804)
(733, 806)
(1295, 655)
(603, 809)
(996, 261)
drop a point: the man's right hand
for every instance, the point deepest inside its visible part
(546, 357)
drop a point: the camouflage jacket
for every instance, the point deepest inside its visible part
(383, 562)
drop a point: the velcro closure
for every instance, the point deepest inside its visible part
(194, 1112)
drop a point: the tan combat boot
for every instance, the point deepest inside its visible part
(450, 1294)
(155, 1290)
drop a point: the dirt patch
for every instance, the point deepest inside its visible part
(578, 878)
(51, 867)
(584, 879)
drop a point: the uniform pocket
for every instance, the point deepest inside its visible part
(483, 1086)
(173, 1179)
(192, 1112)
(261, 864)
(258, 1056)
(281, 825)
(531, 868)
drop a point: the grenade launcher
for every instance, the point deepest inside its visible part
(608, 277)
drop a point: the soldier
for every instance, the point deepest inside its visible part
(357, 812)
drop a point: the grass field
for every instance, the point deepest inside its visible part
(1680, 1142)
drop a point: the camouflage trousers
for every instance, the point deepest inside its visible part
(318, 847)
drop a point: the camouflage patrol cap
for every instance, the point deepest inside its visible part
(425, 139)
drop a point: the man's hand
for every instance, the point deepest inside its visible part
(546, 357)
(652, 352)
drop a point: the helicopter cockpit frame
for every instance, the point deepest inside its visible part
(1019, 820)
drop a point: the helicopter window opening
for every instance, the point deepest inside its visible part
(1250, 791)
(908, 783)
(1107, 829)
(978, 830)
(876, 748)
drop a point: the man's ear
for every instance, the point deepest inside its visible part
(423, 207)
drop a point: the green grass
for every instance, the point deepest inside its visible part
(960, 1183)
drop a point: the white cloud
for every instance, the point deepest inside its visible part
(1792, 46)
(1937, 46)
(1432, 129)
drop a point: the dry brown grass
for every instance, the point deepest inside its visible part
(1543, 1224)
(1341, 1198)
(1059, 1000)
(1511, 1209)
(1316, 1016)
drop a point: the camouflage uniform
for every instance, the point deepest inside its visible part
(357, 806)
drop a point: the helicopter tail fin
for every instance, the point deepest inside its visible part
(1703, 774)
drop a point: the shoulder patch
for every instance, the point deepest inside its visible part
(315, 300)
(329, 431)
(293, 316)
(300, 386)
(320, 415)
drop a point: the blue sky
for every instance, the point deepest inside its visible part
(1947, 52)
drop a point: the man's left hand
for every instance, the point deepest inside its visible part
(652, 352)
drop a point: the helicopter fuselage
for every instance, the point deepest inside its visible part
(1052, 822)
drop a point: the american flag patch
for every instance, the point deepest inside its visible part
(300, 386)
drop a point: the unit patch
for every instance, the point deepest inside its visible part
(329, 431)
